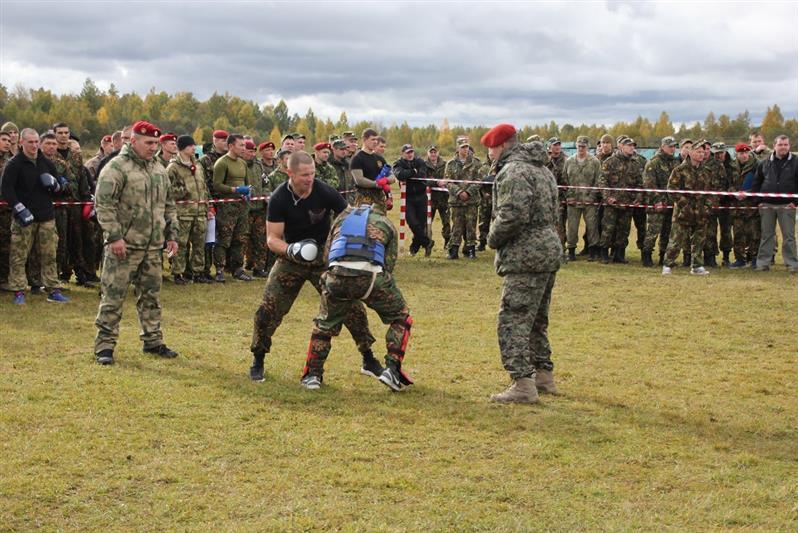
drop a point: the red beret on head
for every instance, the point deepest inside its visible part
(142, 127)
(266, 144)
(498, 135)
(168, 137)
(220, 134)
(322, 146)
(742, 147)
(249, 145)
(107, 139)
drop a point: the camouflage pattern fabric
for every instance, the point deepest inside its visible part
(5, 242)
(258, 254)
(686, 237)
(191, 245)
(746, 224)
(658, 224)
(585, 173)
(556, 165)
(619, 171)
(276, 178)
(346, 184)
(485, 203)
(464, 225)
(690, 213)
(22, 241)
(326, 173)
(463, 214)
(232, 234)
(440, 199)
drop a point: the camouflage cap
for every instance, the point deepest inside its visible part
(463, 142)
(701, 142)
(582, 140)
(298, 135)
(282, 152)
(620, 138)
(685, 141)
(349, 135)
(553, 141)
(626, 141)
(432, 147)
(333, 138)
(8, 127)
(668, 141)
(533, 138)
(717, 148)
(606, 138)
(339, 144)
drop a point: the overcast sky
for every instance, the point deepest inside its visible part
(474, 63)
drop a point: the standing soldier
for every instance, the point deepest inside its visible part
(267, 159)
(340, 163)
(287, 144)
(436, 167)
(191, 193)
(485, 203)
(619, 171)
(690, 210)
(745, 219)
(639, 213)
(324, 170)
(256, 252)
(106, 147)
(299, 142)
(528, 253)
(168, 149)
(759, 149)
(137, 213)
(720, 169)
(5, 211)
(658, 222)
(583, 170)
(462, 177)
(207, 161)
(556, 164)
(280, 175)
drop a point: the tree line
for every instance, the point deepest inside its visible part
(93, 113)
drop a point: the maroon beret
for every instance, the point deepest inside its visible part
(742, 147)
(220, 134)
(168, 137)
(498, 135)
(322, 146)
(106, 139)
(266, 144)
(142, 127)
(249, 145)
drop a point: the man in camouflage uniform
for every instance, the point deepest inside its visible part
(5, 212)
(361, 265)
(528, 254)
(191, 194)
(690, 210)
(137, 212)
(256, 252)
(719, 167)
(279, 176)
(106, 147)
(207, 162)
(168, 149)
(604, 151)
(582, 170)
(324, 170)
(267, 160)
(463, 199)
(485, 204)
(759, 149)
(745, 219)
(621, 170)
(658, 223)
(340, 163)
(556, 164)
(436, 167)
(639, 213)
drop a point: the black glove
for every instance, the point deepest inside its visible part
(305, 251)
(25, 217)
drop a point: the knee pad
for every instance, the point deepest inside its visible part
(318, 349)
(405, 325)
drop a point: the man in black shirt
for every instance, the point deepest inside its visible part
(299, 216)
(406, 169)
(370, 172)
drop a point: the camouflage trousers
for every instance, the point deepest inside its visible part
(722, 219)
(575, 213)
(523, 323)
(747, 231)
(688, 238)
(143, 269)
(615, 227)
(485, 212)
(440, 205)
(69, 256)
(190, 245)
(282, 287)
(258, 254)
(343, 289)
(562, 222)
(232, 234)
(658, 226)
(5, 242)
(464, 224)
(45, 236)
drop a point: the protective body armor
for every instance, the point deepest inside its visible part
(353, 241)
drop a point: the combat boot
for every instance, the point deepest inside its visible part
(726, 260)
(482, 244)
(521, 390)
(647, 260)
(709, 260)
(619, 256)
(593, 254)
(688, 260)
(571, 254)
(661, 257)
(605, 256)
(544, 382)
(471, 252)
(453, 253)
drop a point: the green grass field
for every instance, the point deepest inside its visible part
(679, 410)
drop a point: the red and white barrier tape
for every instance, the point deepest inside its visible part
(402, 214)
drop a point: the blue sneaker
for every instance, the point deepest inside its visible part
(56, 296)
(19, 298)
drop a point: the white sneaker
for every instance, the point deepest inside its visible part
(666, 270)
(700, 271)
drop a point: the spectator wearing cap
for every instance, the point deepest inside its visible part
(299, 142)
(324, 170)
(257, 259)
(168, 149)
(582, 170)
(13, 136)
(685, 145)
(207, 162)
(279, 176)
(622, 170)
(193, 210)
(658, 222)
(556, 164)
(462, 177)
(746, 226)
(436, 167)
(5, 211)
(777, 174)
(340, 163)
(136, 210)
(288, 143)
(639, 213)
(351, 143)
(267, 159)
(718, 165)
(411, 170)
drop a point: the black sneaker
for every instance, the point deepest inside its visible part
(241, 275)
(260, 273)
(202, 278)
(311, 382)
(161, 351)
(104, 357)
(371, 367)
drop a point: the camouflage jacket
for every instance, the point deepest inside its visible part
(326, 173)
(71, 167)
(92, 165)
(470, 170)
(739, 173)
(259, 188)
(557, 165)
(656, 174)
(276, 178)
(690, 209)
(585, 173)
(379, 227)
(619, 171)
(188, 185)
(436, 170)
(268, 169)
(525, 212)
(207, 162)
(134, 202)
(345, 181)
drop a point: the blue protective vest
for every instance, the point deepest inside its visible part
(353, 240)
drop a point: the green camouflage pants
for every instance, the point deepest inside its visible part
(464, 224)
(575, 214)
(282, 287)
(191, 245)
(687, 238)
(22, 240)
(523, 323)
(257, 250)
(746, 241)
(342, 289)
(440, 204)
(485, 211)
(5, 242)
(232, 234)
(142, 269)
(722, 219)
(658, 226)
(615, 227)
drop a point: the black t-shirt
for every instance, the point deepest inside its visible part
(309, 218)
(370, 164)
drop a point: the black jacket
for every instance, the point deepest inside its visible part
(776, 175)
(21, 184)
(405, 170)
